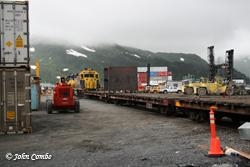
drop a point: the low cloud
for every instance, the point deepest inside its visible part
(158, 25)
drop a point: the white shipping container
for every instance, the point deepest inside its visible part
(152, 69)
(159, 69)
(157, 82)
(14, 24)
(141, 69)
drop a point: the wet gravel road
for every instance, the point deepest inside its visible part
(110, 135)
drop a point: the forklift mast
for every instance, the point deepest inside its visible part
(212, 66)
(229, 64)
(227, 67)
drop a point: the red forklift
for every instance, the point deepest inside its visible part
(63, 98)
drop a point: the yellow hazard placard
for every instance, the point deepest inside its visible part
(177, 104)
(19, 42)
(8, 43)
(11, 115)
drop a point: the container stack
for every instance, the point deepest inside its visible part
(15, 83)
(134, 78)
(157, 75)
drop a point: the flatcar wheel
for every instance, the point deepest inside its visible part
(202, 91)
(189, 91)
(192, 115)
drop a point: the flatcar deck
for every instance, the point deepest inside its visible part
(231, 106)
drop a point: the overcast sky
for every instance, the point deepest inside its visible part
(158, 25)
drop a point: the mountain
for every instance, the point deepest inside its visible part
(55, 57)
(242, 65)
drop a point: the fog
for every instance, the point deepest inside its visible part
(158, 25)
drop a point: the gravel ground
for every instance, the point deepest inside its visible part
(109, 135)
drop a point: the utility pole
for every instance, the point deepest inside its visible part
(148, 74)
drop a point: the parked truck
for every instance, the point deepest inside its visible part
(171, 87)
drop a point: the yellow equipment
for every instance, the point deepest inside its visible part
(72, 83)
(206, 88)
(89, 79)
(153, 89)
(37, 68)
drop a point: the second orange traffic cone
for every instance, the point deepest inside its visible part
(215, 148)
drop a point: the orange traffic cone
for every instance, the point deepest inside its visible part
(215, 149)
